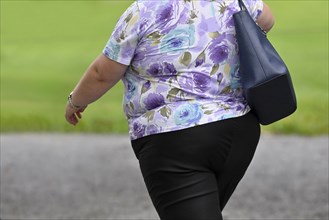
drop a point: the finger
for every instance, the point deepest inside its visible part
(71, 118)
(78, 113)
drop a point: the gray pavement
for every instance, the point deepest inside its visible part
(84, 176)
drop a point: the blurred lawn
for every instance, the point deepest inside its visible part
(47, 45)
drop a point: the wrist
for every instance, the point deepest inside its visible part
(73, 105)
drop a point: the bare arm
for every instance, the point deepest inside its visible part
(101, 76)
(266, 19)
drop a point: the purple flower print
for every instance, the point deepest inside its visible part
(183, 69)
(229, 17)
(201, 82)
(218, 50)
(239, 107)
(139, 55)
(220, 77)
(230, 23)
(203, 26)
(187, 114)
(178, 39)
(155, 69)
(165, 14)
(200, 59)
(219, 54)
(169, 68)
(230, 39)
(143, 25)
(130, 89)
(151, 129)
(258, 13)
(138, 129)
(186, 83)
(153, 101)
(147, 84)
(128, 52)
(175, 42)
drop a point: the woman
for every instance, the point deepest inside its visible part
(190, 126)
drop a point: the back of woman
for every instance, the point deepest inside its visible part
(190, 126)
(183, 63)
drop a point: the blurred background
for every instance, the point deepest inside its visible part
(47, 45)
(47, 165)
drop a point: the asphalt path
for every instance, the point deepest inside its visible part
(86, 176)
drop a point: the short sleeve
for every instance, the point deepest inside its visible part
(255, 7)
(124, 39)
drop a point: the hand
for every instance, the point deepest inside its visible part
(73, 116)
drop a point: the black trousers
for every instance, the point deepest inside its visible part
(191, 174)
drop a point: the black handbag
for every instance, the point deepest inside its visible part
(265, 78)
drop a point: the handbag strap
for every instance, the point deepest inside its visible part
(242, 5)
(244, 8)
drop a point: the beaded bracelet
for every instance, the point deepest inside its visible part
(75, 107)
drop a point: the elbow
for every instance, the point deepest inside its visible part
(268, 25)
(107, 71)
(266, 19)
(96, 73)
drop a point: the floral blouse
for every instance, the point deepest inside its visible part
(183, 63)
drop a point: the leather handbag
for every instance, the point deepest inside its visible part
(265, 78)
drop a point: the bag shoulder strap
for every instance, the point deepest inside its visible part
(244, 8)
(242, 5)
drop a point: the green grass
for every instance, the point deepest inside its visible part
(301, 37)
(45, 48)
(47, 45)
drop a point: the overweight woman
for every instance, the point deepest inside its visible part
(190, 126)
